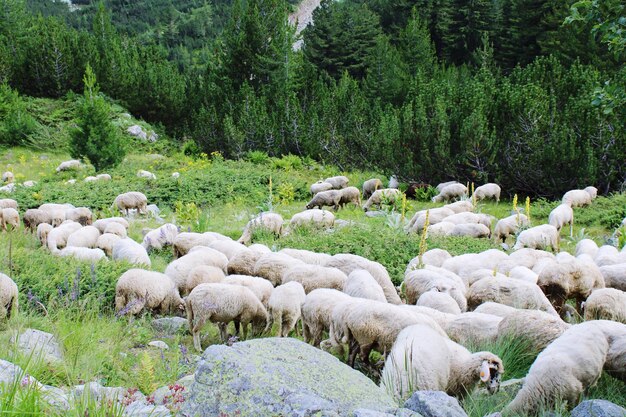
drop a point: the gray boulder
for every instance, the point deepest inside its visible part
(37, 344)
(279, 376)
(401, 412)
(170, 325)
(140, 409)
(137, 131)
(165, 394)
(598, 408)
(10, 373)
(158, 344)
(434, 404)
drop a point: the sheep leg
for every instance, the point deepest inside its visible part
(244, 329)
(3, 312)
(223, 333)
(352, 351)
(196, 334)
(237, 324)
(365, 353)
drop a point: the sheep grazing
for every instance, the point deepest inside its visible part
(614, 276)
(312, 277)
(146, 174)
(57, 237)
(115, 228)
(82, 253)
(90, 178)
(306, 256)
(434, 257)
(272, 266)
(562, 215)
(609, 255)
(487, 191)
(42, 233)
(361, 284)
(338, 182)
(285, 306)
(393, 182)
(422, 359)
(106, 241)
(229, 247)
(201, 274)
(469, 217)
(9, 217)
(314, 218)
(436, 215)
(102, 224)
(439, 301)
(586, 246)
(261, 288)
(317, 313)
(420, 281)
(187, 240)
(450, 192)
(606, 304)
(475, 230)
(473, 328)
(8, 203)
(243, 262)
(9, 297)
(348, 263)
(329, 198)
(8, 177)
(68, 165)
(180, 269)
(137, 289)
(386, 195)
(55, 212)
(222, 303)
(460, 206)
(268, 221)
(350, 195)
(536, 328)
(577, 198)
(130, 251)
(80, 215)
(320, 186)
(131, 200)
(509, 226)
(563, 370)
(539, 237)
(160, 237)
(85, 237)
(592, 191)
(370, 186)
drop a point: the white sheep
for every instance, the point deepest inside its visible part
(422, 359)
(529, 257)
(9, 217)
(475, 230)
(268, 221)
(55, 212)
(130, 251)
(272, 266)
(614, 276)
(562, 215)
(473, 328)
(312, 277)
(469, 217)
(329, 198)
(338, 182)
(90, 178)
(464, 265)
(116, 229)
(8, 203)
(137, 289)
(57, 237)
(285, 306)
(586, 246)
(222, 303)
(80, 215)
(539, 237)
(439, 301)
(9, 297)
(131, 200)
(68, 165)
(419, 281)
(370, 186)
(361, 284)
(385, 195)
(509, 226)
(179, 269)
(440, 229)
(320, 186)
(436, 215)
(106, 241)
(451, 192)
(524, 274)
(186, 240)
(160, 237)
(350, 195)
(314, 218)
(42, 233)
(261, 288)
(535, 329)
(609, 255)
(102, 224)
(577, 198)
(229, 247)
(146, 174)
(317, 313)
(82, 253)
(348, 263)
(243, 262)
(495, 309)
(443, 185)
(606, 304)
(460, 206)
(8, 177)
(434, 257)
(487, 191)
(481, 273)
(306, 256)
(592, 191)
(201, 274)
(103, 177)
(85, 237)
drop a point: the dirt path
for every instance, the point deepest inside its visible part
(303, 16)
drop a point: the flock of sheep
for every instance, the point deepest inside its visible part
(347, 302)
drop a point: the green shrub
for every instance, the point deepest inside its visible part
(190, 148)
(257, 157)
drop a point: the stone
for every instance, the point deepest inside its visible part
(400, 412)
(159, 344)
(153, 210)
(10, 372)
(56, 397)
(170, 325)
(139, 409)
(137, 131)
(598, 408)
(95, 391)
(165, 394)
(279, 376)
(342, 223)
(37, 344)
(375, 213)
(152, 137)
(434, 404)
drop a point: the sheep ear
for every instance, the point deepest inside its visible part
(484, 371)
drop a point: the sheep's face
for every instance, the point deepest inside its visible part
(491, 371)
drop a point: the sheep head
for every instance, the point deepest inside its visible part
(491, 370)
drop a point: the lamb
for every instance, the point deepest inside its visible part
(312, 277)
(538, 237)
(473, 328)
(106, 241)
(271, 222)
(285, 306)
(563, 370)
(102, 224)
(187, 240)
(308, 257)
(325, 198)
(85, 237)
(315, 218)
(388, 195)
(536, 328)
(361, 284)
(370, 186)
(606, 304)
(577, 198)
(9, 297)
(272, 266)
(57, 237)
(137, 289)
(115, 228)
(439, 301)
(562, 215)
(261, 288)
(146, 174)
(512, 292)
(160, 237)
(592, 191)
(83, 253)
(317, 313)
(8, 177)
(9, 217)
(201, 274)
(586, 246)
(420, 281)
(440, 229)
(475, 230)
(222, 303)
(320, 186)
(338, 182)
(614, 276)
(42, 233)
(487, 191)
(434, 257)
(8, 203)
(348, 263)
(131, 200)
(422, 359)
(450, 192)
(509, 226)
(80, 215)
(350, 195)
(179, 269)
(130, 251)
(68, 165)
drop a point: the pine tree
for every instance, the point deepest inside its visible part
(416, 47)
(95, 137)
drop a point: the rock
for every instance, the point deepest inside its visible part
(342, 223)
(434, 404)
(9, 373)
(170, 325)
(95, 391)
(139, 409)
(159, 344)
(165, 395)
(9, 188)
(37, 344)
(279, 376)
(152, 137)
(402, 412)
(405, 412)
(375, 213)
(598, 408)
(56, 397)
(137, 131)
(29, 183)
(153, 210)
